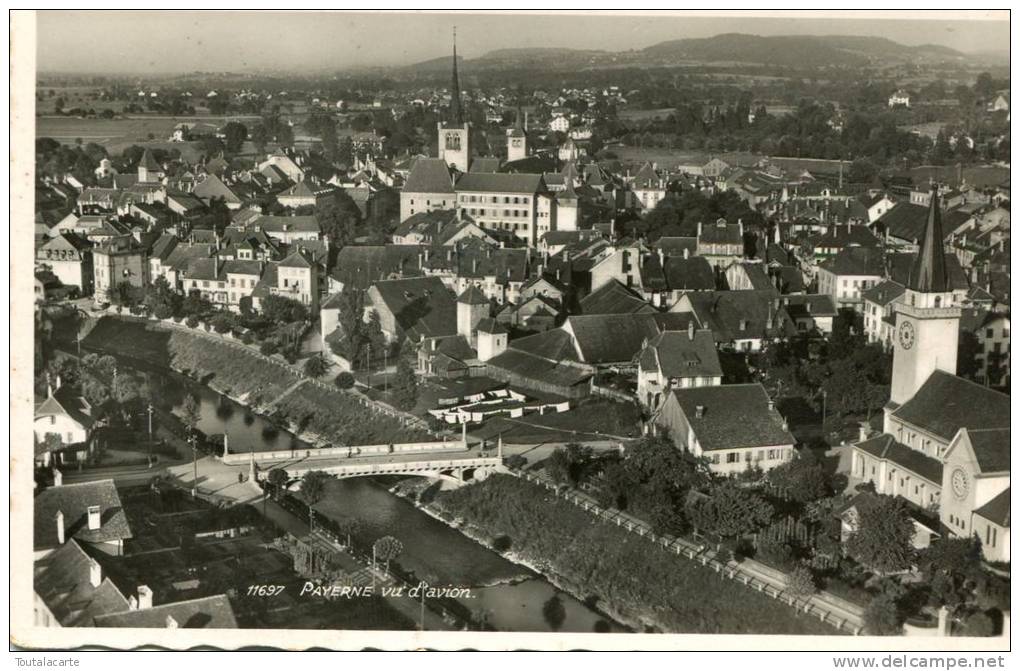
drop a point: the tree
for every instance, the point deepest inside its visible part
(339, 218)
(882, 617)
(947, 565)
(882, 540)
(800, 582)
(316, 366)
(801, 479)
(191, 412)
(557, 466)
(387, 549)
(313, 486)
(161, 299)
(405, 385)
(278, 478)
(554, 612)
(283, 310)
(737, 511)
(236, 133)
(344, 380)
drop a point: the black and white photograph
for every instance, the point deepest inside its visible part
(511, 330)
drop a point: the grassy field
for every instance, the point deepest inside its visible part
(623, 571)
(117, 134)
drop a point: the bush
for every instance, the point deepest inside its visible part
(344, 380)
(776, 554)
(516, 461)
(192, 322)
(316, 366)
(800, 582)
(979, 624)
(269, 347)
(502, 543)
(247, 338)
(882, 617)
(177, 318)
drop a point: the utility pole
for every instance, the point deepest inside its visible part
(368, 363)
(825, 398)
(385, 379)
(194, 464)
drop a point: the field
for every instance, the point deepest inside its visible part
(623, 571)
(118, 134)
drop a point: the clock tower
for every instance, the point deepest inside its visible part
(927, 321)
(455, 133)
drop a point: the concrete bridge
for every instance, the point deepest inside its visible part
(458, 469)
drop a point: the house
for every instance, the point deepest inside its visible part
(990, 330)
(302, 194)
(284, 164)
(899, 98)
(211, 612)
(614, 341)
(545, 363)
(741, 321)
(62, 426)
(676, 360)
(429, 186)
(360, 265)
(69, 257)
(807, 312)
(748, 276)
(702, 422)
(413, 308)
(612, 298)
(665, 278)
(507, 202)
(648, 187)
(116, 260)
(213, 188)
(88, 512)
(846, 276)
(721, 243)
(283, 228)
(879, 315)
(70, 589)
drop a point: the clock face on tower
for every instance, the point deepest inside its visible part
(906, 335)
(960, 483)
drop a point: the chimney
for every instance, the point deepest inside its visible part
(420, 259)
(863, 434)
(740, 226)
(690, 329)
(474, 265)
(58, 477)
(699, 411)
(772, 405)
(144, 597)
(95, 518)
(687, 252)
(171, 623)
(95, 573)
(132, 603)
(699, 229)
(662, 258)
(60, 527)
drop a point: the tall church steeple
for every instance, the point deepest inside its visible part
(928, 320)
(456, 114)
(455, 134)
(928, 274)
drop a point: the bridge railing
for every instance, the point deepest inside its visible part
(241, 458)
(398, 467)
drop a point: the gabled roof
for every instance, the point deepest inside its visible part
(211, 612)
(74, 501)
(421, 306)
(473, 296)
(499, 182)
(991, 448)
(648, 179)
(734, 315)
(484, 164)
(884, 446)
(361, 265)
(612, 298)
(884, 293)
(856, 261)
(720, 428)
(554, 345)
(429, 175)
(676, 354)
(62, 580)
(946, 403)
(720, 233)
(997, 509)
(213, 187)
(606, 339)
(63, 402)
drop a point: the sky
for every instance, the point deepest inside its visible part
(190, 41)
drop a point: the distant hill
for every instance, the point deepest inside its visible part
(790, 50)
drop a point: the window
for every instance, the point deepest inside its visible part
(990, 333)
(53, 419)
(732, 458)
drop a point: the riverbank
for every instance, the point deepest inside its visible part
(313, 413)
(537, 568)
(618, 573)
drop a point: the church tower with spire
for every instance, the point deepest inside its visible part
(517, 140)
(927, 321)
(455, 132)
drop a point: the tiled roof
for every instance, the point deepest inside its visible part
(484, 164)
(884, 446)
(678, 354)
(677, 245)
(63, 402)
(845, 236)
(62, 580)
(900, 267)
(74, 501)
(420, 305)
(554, 345)
(359, 266)
(720, 233)
(856, 261)
(721, 428)
(500, 183)
(612, 298)
(884, 293)
(211, 612)
(540, 369)
(308, 223)
(991, 448)
(604, 339)
(946, 403)
(733, 315)
(808, 305)
(429, 175)
(473, 296)
(490, 325)
(997, 509)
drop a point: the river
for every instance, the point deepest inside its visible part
(510, 596)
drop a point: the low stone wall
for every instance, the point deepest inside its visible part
(241, 458)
